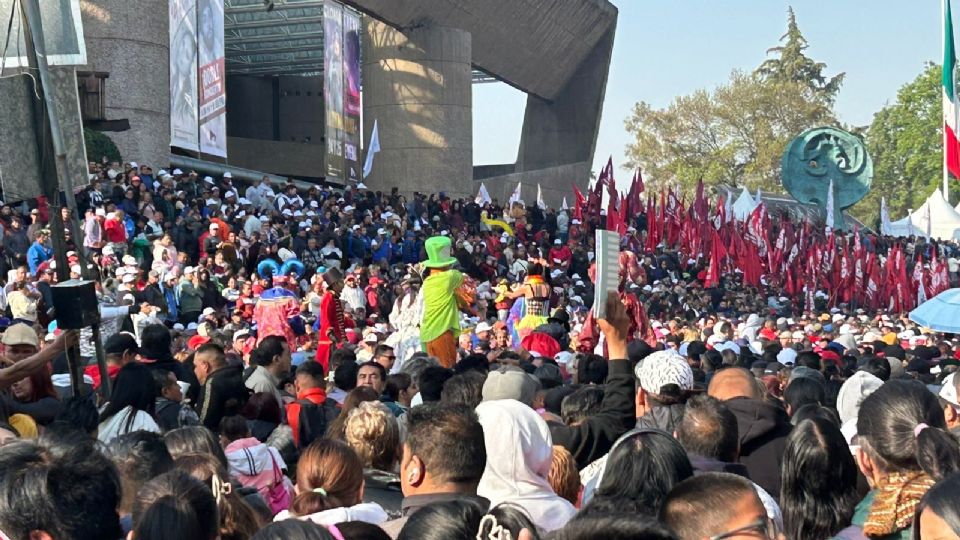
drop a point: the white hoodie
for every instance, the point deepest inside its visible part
(519, 454)
(366, 512)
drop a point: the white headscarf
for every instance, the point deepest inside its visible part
(519, 454)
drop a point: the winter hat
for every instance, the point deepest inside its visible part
(860, 385)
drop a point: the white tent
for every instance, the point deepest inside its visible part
(744, 205)
(944, 221)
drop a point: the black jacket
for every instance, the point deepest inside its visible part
(763, 428)
(223, 395)
(594, 437)
(152, 295)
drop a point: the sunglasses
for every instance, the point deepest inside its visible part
(764, 526)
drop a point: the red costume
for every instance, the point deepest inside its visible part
(331, 328)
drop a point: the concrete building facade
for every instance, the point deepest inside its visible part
(130, 40)
(418, 86)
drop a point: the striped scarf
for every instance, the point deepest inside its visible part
(895, 501)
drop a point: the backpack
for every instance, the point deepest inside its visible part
(313, 422)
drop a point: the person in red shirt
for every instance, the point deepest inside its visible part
(116, 233)
(310, 383)
(561, 252)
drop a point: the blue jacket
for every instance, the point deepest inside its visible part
(384, 251)
(170, 295)
(411, 251)
(36, 255)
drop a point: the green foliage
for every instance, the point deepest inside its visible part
(98, 144)
(736, 133)
(792, 65)
(906, 143)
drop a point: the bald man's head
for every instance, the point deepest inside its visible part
(732, 383)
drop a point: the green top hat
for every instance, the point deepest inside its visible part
(438, 252)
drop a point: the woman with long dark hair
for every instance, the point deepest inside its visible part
(904, 450)
(131, 406)
(818, 490)
(640, 470)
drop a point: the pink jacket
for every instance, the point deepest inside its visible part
(252, 464)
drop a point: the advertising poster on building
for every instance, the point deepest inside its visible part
(213, 82)
(351, 96)
(333, 92)
(184, 125)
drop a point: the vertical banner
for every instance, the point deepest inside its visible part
(333, 92)
(184, 124)
(351, 95)
(213, 82)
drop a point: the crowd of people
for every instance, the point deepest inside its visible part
(289, 363)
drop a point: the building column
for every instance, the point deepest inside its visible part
(417, 86)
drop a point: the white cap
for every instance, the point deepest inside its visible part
(382, 231)
(76, 270)
(229, 194)
(177, 326)
(314, 204)
(228, 174)
(347, 209)
(177, 172)
(100, 212)
(208, 179)
(208, 311)
(557, 242)
(108, 250)
(483, 326)
(948, 392)
(188, 270)
(361, 185)
(128, 278)
(129, 260)
(134, 164)
(244, 201)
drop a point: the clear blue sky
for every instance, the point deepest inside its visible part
(666, 48)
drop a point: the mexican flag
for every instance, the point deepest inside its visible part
(951, 150)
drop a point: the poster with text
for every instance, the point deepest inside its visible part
(333, 92)
(213, 82)
(351, 96)
(184, 124)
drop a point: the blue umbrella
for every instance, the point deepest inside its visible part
(941, 313)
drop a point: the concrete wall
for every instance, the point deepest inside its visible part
(555, 182)
(250, 114)
(417, 85)
(301, 110)
(130, 40)
(276, 157)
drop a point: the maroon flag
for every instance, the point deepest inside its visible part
(579, 202)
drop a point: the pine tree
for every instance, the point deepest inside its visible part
(793, 66)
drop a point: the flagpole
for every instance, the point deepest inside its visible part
(943, 33)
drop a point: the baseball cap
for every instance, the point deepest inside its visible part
(484, 326)
(510, 382)
(120, 343)
(664, 372)
(20, 334)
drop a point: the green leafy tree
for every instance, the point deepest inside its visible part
(906, 143)
(98, 145)
(792, 65)
(736, 133)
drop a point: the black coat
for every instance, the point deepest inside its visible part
(223, 395)
(594, 437)
(763, 428)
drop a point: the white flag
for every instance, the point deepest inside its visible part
(830, 218)
(759, 199)
(372, 149)
(515, 196)
(926, 217)
(483, 197)
(884, 217)
(564, 205)
(540, 203)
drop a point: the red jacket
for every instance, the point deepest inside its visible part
(115, 231)
(313, 395)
